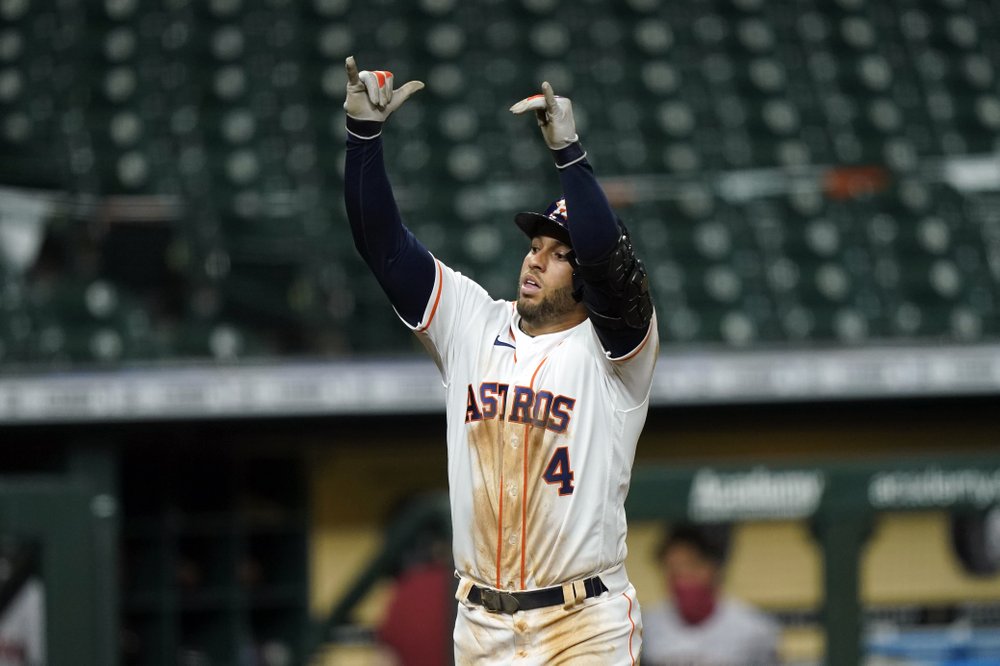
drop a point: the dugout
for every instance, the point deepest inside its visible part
(844, 522)
(151, 522)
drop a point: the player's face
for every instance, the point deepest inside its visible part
(545, 290)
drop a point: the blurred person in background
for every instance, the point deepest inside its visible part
(698, 625)
(417, 624)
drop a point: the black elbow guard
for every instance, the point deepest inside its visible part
(616, 290)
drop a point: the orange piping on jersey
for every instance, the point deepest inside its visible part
(638, 349)
(524, 488)
(437, 299)
(510, 328)
(503, 438)
(632, 631)
(500, 525)
(500, 509)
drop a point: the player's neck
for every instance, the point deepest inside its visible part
(562, 324)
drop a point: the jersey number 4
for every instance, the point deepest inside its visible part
(558, 471)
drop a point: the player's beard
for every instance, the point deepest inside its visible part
(550, 308)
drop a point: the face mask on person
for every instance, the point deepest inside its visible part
(695, 601)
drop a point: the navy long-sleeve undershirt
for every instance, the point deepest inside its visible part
(401, 264)
(593, 228)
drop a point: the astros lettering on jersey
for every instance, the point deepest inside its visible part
(542, 434)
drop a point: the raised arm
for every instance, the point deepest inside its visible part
(616, 289)
(401, 264)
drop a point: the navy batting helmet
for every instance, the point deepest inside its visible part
(553, 222)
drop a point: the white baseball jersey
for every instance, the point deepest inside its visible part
(541, 438)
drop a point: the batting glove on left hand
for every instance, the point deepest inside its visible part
(554, 115)
(370, 96)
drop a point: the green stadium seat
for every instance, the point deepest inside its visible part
(235, 109)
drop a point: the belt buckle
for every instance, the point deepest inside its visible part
(497, 601)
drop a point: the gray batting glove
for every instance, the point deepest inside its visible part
(555, 117)
(370, 96)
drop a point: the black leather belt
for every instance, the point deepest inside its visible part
(499, 601)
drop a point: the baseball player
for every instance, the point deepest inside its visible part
(546, 397)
